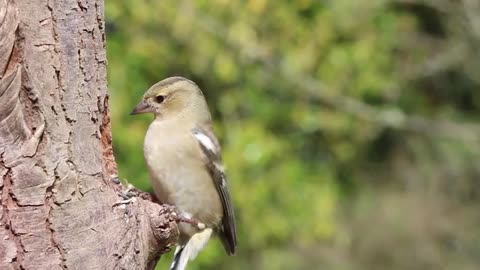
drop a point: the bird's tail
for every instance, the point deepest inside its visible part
(189, 251)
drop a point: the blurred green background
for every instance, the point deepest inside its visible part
(349, 128)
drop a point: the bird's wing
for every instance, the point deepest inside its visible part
(212, 156)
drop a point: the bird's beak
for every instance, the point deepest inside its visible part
(142, 107)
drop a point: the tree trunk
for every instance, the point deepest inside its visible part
(57, 171)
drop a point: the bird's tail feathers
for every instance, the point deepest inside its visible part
(189, 251)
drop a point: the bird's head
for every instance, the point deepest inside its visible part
(174, 96)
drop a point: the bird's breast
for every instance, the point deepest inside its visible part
(179, 176)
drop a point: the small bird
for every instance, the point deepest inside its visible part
(183, 158)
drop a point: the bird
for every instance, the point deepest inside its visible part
(183, 158)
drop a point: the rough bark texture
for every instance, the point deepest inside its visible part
(57, 196)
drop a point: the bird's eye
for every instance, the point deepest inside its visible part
(159, 98)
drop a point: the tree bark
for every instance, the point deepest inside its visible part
(57, 171)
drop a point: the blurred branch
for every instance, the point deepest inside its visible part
(386, 118)
(462, 19)
(468, 9)
(440, 5)
(472, 12)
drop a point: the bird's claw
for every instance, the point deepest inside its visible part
(175, 215)
(195, 223)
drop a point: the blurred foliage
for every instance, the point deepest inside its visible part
(349, 128)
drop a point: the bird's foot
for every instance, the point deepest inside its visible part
(179, 217)
(195, 223)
